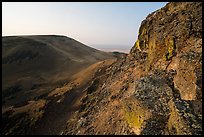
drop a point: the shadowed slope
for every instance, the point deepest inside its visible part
(33, 65)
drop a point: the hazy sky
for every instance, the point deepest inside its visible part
(100, 25)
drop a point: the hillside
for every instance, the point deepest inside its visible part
(30, 62)
(32, 68)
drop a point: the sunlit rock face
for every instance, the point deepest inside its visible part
(172, 39)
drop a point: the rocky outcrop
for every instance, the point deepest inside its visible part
(156, 89)
(172, 39)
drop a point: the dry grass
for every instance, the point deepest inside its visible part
(33, 108)
(81, 78)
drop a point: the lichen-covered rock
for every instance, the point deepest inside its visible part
(172, 39)
(182, 119)
(154, 92)
(169, 113)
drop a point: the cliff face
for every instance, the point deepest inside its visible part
(156, 89)
(170, 44)
(172, 40)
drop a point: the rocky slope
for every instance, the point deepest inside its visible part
(157, 88)
(33, 67)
